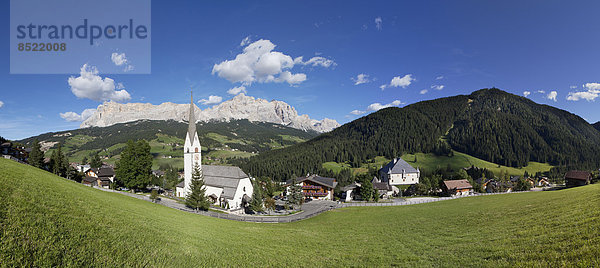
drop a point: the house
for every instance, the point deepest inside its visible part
(226, 186)
(101, 177)
(543, 182)
(575, 178)
(457, 187)
(315, 186)
(349, 191)
(399, 172)
(385, 190)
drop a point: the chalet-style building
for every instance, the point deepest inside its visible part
(101, 177)
(226, 186)
(314, 186)
(542, 182)
(575, 178)
(399, 172)
(457, 187)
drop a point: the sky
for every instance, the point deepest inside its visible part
(328, 59)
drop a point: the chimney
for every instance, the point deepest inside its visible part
(395, 160)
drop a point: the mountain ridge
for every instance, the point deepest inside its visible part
(489, 124)
(238, 108)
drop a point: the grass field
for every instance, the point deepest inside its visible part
(432, 162)
(49, 221)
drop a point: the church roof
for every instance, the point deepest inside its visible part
(192, 121)
(225, 177)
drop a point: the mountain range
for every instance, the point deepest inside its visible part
(238, 108)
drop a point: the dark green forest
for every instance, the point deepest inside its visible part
(490, 124)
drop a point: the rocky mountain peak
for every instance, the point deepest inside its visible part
(239, 107)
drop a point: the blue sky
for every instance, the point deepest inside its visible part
(537, 46)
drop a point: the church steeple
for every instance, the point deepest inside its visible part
(192, 120)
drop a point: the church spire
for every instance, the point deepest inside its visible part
(192, 120)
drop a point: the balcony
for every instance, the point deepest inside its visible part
(318, 194)
(311, 187)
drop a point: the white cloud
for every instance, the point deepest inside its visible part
(361, 79)
(552, 95)
(573, 87)
(1, 104)
(315, 61)
(383, 87)
(91, 86)
(424, 91)
(378, 106)
(592, 92)
(118, 59)
(259, 63)
(357, 112)
(438, 87)
(121, 60)
(75, 117)
(237, 90)
(401, 81)
(526, 93)
(245, 41)
(211, 100)
(439, 77)
(378, 23)
(541, 91)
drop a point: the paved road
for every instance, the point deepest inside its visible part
(309, 209)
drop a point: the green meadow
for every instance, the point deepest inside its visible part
(49, 221)
(432, 162)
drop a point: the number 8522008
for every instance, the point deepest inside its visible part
(42, 46)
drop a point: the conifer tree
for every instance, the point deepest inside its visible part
(197, 198)
(36, 157)
(96, 162)
(257, 198)
(58, 162)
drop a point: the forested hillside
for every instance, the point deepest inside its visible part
(490, 124)
(220, 140)
(597, 125)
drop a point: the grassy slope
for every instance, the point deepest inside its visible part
(46, 220)
(432, 162)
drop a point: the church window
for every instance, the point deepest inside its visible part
(196, 149)
(244, 189)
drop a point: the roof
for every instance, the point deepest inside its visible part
(328, 182)
(350, 187)
(578, 175)
(457, 184)
(191, 121)
(398, 166)
(89, 179)
(180, 185)
(226, 177)
(382, 186)
(103, 171)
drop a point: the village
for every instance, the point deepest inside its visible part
(228, 189)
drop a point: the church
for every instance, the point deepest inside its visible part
(226, 186)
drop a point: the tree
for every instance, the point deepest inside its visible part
(36, 157)
(295, 196)
(197, 198)
(154, 195)
(366, 188)
(58, 162)
(96, 162)
(270, 204)
(522, 185)
(257, 198)
(134, 169)
(84, 161)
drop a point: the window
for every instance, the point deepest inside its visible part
(188, 150)
(244, 189)
(196, 149)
